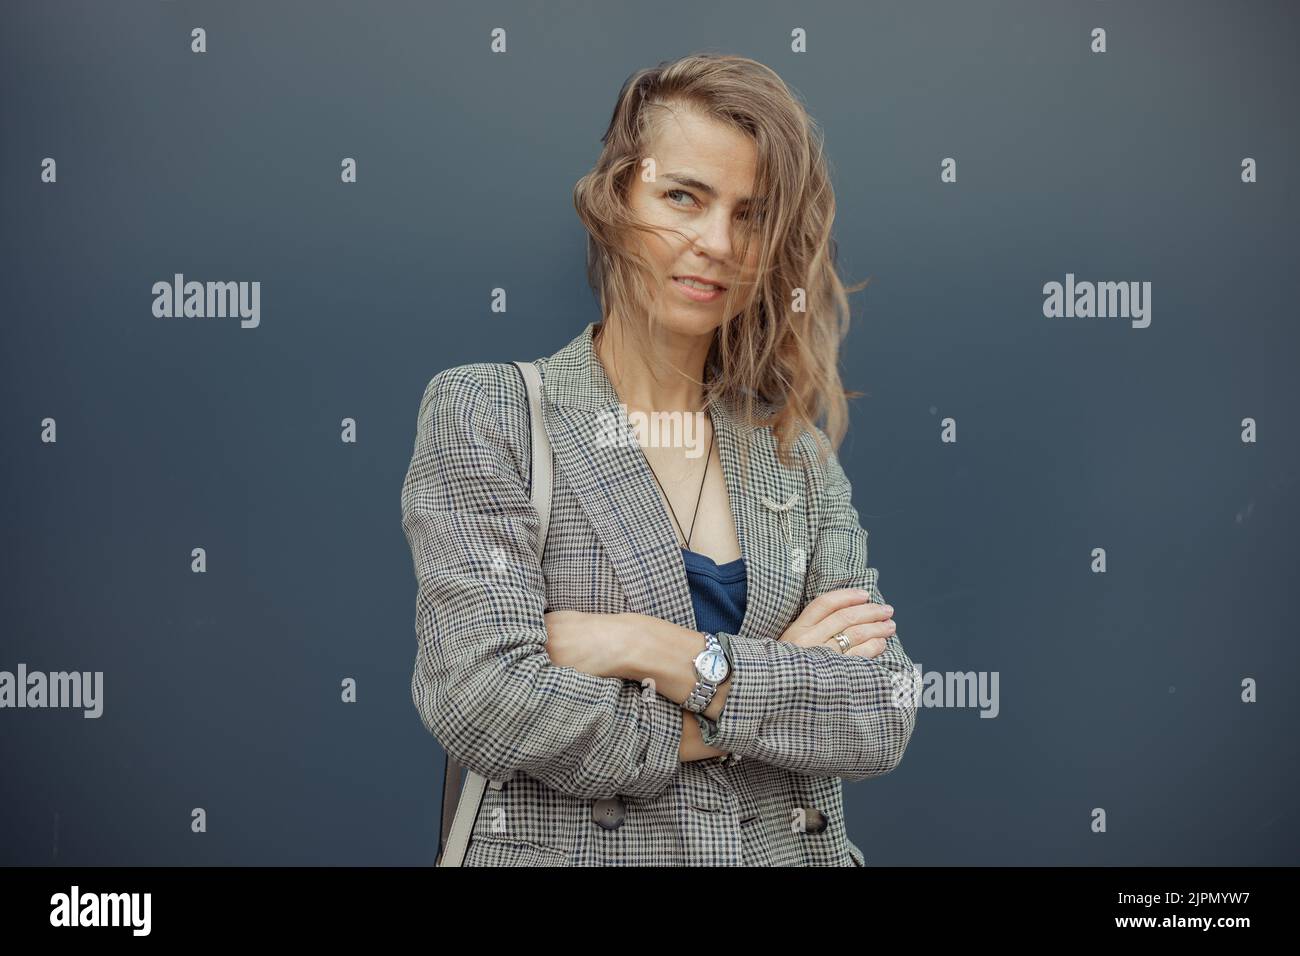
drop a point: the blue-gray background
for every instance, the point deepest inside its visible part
(1118, 690)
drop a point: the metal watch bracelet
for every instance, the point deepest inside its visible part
(703, 691)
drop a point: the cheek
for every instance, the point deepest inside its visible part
(664, 247)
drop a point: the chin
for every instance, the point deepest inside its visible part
(686, 322)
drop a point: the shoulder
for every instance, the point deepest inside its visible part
(474, 394)
(481, 404)
(823, 476)
(472, 439)
(807, 448)
(811, 448)
(491, 382)
(815, 450)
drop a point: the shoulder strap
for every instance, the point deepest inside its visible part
(456, 829)
(541, 473)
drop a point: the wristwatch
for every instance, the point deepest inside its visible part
(711, 669)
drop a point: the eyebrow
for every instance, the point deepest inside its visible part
(692, 183)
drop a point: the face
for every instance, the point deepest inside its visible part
(704, 175)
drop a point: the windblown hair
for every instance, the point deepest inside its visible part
(781, 346)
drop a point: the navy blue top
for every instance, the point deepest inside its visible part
(717, 591)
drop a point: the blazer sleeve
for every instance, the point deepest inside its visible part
(815, 710)
(483, 682)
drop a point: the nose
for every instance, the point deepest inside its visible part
(716, 235)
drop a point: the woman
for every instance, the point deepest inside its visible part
(716, 656)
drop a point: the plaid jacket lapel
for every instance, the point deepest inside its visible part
(618, 493)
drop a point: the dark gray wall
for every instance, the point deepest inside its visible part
(1119, 690)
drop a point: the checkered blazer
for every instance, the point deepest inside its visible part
(797, 720)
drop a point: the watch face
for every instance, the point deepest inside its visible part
(712, 665)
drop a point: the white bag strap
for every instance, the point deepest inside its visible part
(541, 472)
(456, 832)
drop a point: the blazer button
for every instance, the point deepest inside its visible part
(608, 812)
(814, 820)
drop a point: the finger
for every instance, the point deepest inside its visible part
(808, 629)
(863, 636)
(819, 607)
(861, 633)
(848, 617)
(872, 648)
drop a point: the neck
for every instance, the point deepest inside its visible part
(633, 379)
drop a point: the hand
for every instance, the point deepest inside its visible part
(868, 626)
(585, 642)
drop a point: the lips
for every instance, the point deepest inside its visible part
(716, 285)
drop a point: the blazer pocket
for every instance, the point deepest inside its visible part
(487, 851)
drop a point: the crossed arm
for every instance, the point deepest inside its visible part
(659, 654)
(487, 687)
(655, 654)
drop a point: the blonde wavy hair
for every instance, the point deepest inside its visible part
(776, 360)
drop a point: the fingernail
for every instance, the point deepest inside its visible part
(889, 607)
